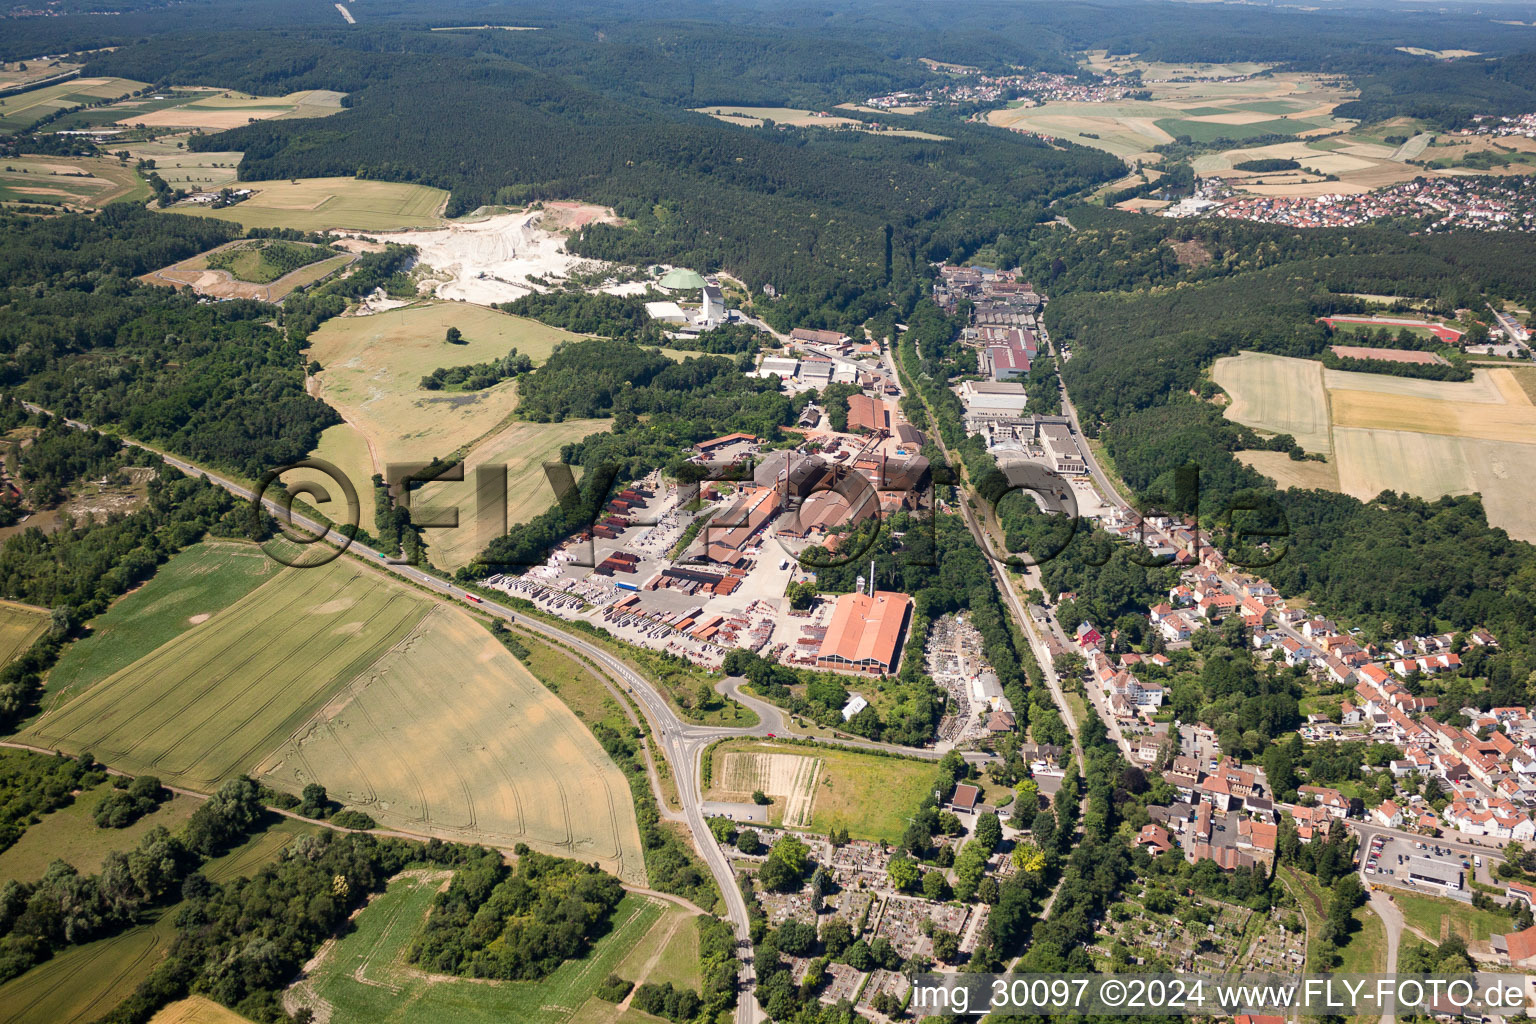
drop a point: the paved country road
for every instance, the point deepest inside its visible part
(682, 743)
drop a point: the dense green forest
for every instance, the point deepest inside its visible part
(79, 337)
(825, 216)
(516, 923)
(1447, 93)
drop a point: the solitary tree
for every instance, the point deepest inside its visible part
(314, 801)
(988, 831)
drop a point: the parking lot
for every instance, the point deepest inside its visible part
(1385, 860)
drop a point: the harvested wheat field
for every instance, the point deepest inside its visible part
(209, 703)
(320, 204)
(1492, 406)
(24, 109)
(182, 168)
(486, 508)
(1277, 394)
(196, 1010)
(1285, 472)
(373, 367)
(1421, 437)
(82, 181)
(224, 110)
(344, 447)
(1372, 461)
(20, 624)
(448, 735)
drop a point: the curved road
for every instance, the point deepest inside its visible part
(681, 742)
(771, 723)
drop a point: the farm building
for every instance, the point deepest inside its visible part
(866, 633)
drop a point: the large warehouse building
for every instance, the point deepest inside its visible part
(866, 633)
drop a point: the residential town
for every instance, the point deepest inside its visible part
(1034, 87)
(1484, 203)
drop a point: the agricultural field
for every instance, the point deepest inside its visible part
(72, 835)
(319, 204)
(865, 793)
(196, 1010)
(484, 28)
(373, 367)
(448, 735)
(244, 269)
(22, 110)
(1211, 127)
(82, 182)
(1421, 437)
(1492, 406)
(181, 168)
(1189, 101)
(20, 624)
(344, 447)
(112, 120)
(1285, 472)
(217, 111)
(1419, 51)
(183, 594)
(522, 448)
(1479, 154)
(1100, 62)
(208, 704)
(1278, 395)
(1363, 159)
(260, 850)
(364, 976)
(1525, 376)
(82, 983)
(755, 117)
(19, 74)
(1336, 156)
